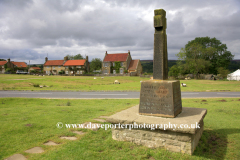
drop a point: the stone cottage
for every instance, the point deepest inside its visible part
(68, 66)
(53, 66)
(76, 66)
(34, 68)
(13, 65)
(128, 65)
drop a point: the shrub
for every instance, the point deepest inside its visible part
(68, 103)
(61, 72)
(35, 85)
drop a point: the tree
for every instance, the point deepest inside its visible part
(223, 72)
(174, 71)
(2, 60)
(77, 56)
(194, 59)
(210, 49)
(96, 64)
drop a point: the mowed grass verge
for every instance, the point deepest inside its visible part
(27, 123)
(69, 83)
(88, 83)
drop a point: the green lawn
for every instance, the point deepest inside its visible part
(88, 83)
(26, 123)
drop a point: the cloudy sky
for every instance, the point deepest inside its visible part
(33, 29)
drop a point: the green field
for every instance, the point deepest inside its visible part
(88, 83)
(27, 123)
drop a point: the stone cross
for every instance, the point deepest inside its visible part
(160, 58)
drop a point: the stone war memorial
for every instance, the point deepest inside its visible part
(160, 120)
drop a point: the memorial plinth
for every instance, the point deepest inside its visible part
(160, 104)
(184, 138)
(160, 98)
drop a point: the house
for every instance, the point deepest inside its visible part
(20, 65)
(2, 66)
(80, 66)
(120, 63)
(68, 66)
(34, 68)
(12, 65)
(53, 66)
(135, 67)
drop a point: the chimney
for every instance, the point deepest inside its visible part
(128, 52)
(46, 59)
(106, 53)
(8, 60)
(87, 58)
(65, 58)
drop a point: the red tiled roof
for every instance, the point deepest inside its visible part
(37, 68)
(133, 64)
(2, 62)
(20, 64)
(75, 62)
(116, 57)
(54, 63)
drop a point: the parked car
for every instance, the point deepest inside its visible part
(21, 72)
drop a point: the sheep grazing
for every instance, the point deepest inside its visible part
(183, 85)
(94, 78)
(116, 82)
(102, 77)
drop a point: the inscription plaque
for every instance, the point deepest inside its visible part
(160, 98)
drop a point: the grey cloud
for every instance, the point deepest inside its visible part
(91, 27)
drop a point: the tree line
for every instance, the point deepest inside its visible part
(203, 55)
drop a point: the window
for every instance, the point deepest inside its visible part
(113, 64)
(80, 72)
(79, 66)
(121, 70)
(121, 64)
(53, 67)
(71, 72)
(77, 72)
(66, 72)
(66, 67)
(105, 71)
(114, 71)
(105, 64)
(59, 66)
(48, 67)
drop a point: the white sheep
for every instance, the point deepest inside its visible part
(94, 78)
(183, 85)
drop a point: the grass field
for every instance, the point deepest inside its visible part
(27, 123)
(88, 83)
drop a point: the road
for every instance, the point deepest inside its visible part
(106, 95)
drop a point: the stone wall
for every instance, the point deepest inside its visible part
(53, 69)
(172, 141)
